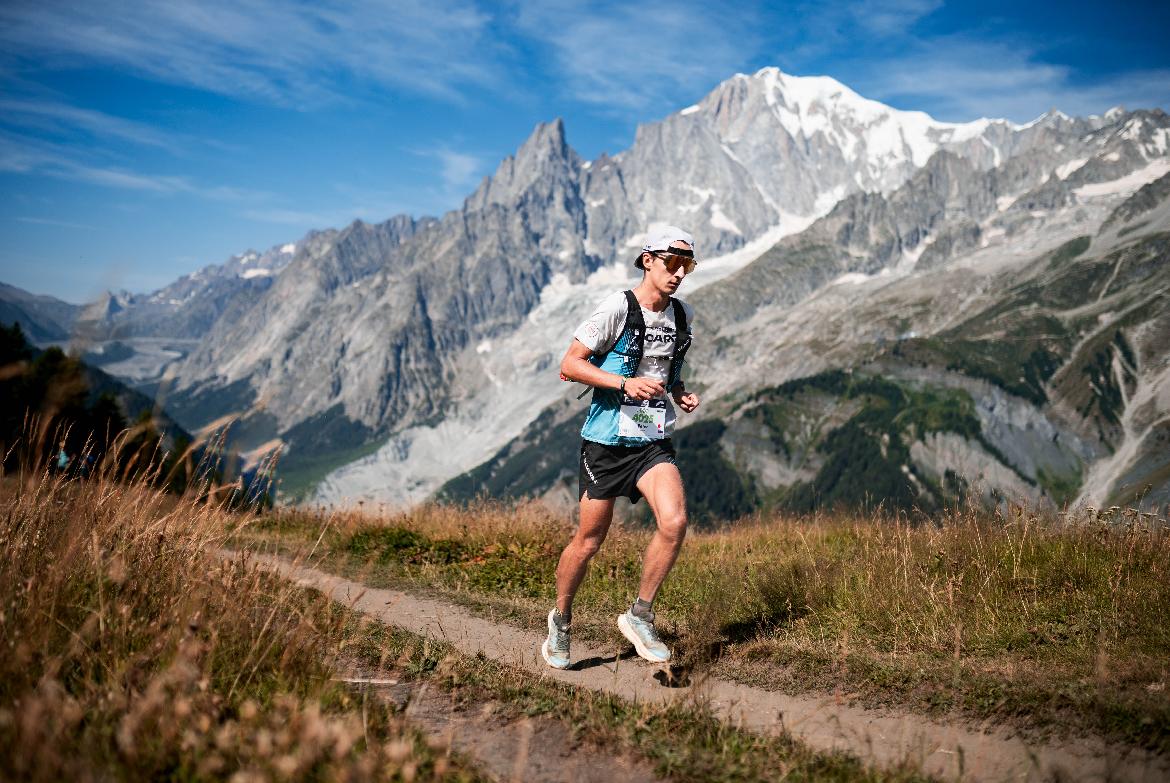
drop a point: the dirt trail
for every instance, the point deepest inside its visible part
(882, 737)
(534, 750)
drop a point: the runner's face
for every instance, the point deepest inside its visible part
(658, 270)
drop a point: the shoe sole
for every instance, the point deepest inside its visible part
(628, 632)
(549, 660)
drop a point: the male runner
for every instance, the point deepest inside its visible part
(631, 351)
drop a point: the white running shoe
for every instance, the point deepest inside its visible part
(556, 647)
(642, 635)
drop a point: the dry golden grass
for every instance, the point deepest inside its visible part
(135, 653)
(130, 651)
(1046, 620)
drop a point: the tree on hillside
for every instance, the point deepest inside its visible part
(47, 406)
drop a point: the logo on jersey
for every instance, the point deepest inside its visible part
(658, 334)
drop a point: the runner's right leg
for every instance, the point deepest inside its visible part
(595, 518)
(594, 524)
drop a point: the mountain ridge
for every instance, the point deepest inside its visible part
(371, 337)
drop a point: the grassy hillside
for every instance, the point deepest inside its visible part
(135, 653)
(1048, 623)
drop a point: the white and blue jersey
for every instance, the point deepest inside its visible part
(634, 342)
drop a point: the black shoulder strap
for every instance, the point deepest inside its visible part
(634, 315)
(680, 317)
(682, 342)
(632, 337)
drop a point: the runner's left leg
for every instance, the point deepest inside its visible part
(663, 488)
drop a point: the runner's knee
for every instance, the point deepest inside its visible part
(587, 546)
(673, 526)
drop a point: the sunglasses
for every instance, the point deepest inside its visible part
(673, 261)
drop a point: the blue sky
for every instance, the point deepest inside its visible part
(140, 141)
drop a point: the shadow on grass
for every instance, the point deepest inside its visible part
(674, 675)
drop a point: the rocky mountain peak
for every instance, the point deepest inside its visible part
(544, 162)
(1056, 120)
(105, 306)
(546, 141)
(335, 259)
(346, 346)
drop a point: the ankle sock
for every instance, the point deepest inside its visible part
(642, 610)
(562, 620)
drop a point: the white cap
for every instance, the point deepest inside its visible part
(660, 238)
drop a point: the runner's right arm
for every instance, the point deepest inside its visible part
(577, 367)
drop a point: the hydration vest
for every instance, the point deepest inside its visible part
(623, 359)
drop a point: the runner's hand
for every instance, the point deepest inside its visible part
(688, 401)
(644, 388)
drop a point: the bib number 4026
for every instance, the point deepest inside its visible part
(642, 418)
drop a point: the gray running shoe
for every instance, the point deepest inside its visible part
(556, 647)
(642, 635)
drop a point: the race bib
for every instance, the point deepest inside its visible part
(642, 418)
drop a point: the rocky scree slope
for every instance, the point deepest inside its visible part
(987, 347)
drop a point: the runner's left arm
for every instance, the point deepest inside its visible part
(684, 399)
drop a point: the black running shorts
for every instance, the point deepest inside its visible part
(613, 471)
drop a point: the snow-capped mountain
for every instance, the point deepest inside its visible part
(187, 307)
(938, 341)
(391, 358)
(765, 152)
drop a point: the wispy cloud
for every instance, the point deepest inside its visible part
(844, 30)
(459, 172)
(301, 53)
(36, 221)
(887, 51)
(29, 159)
(826, 25)
(961, 78)
(887, 17)
(31, 156)
(21, 155)
(47, 115)
(640, 56)
(372, 207)
(298, 217)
